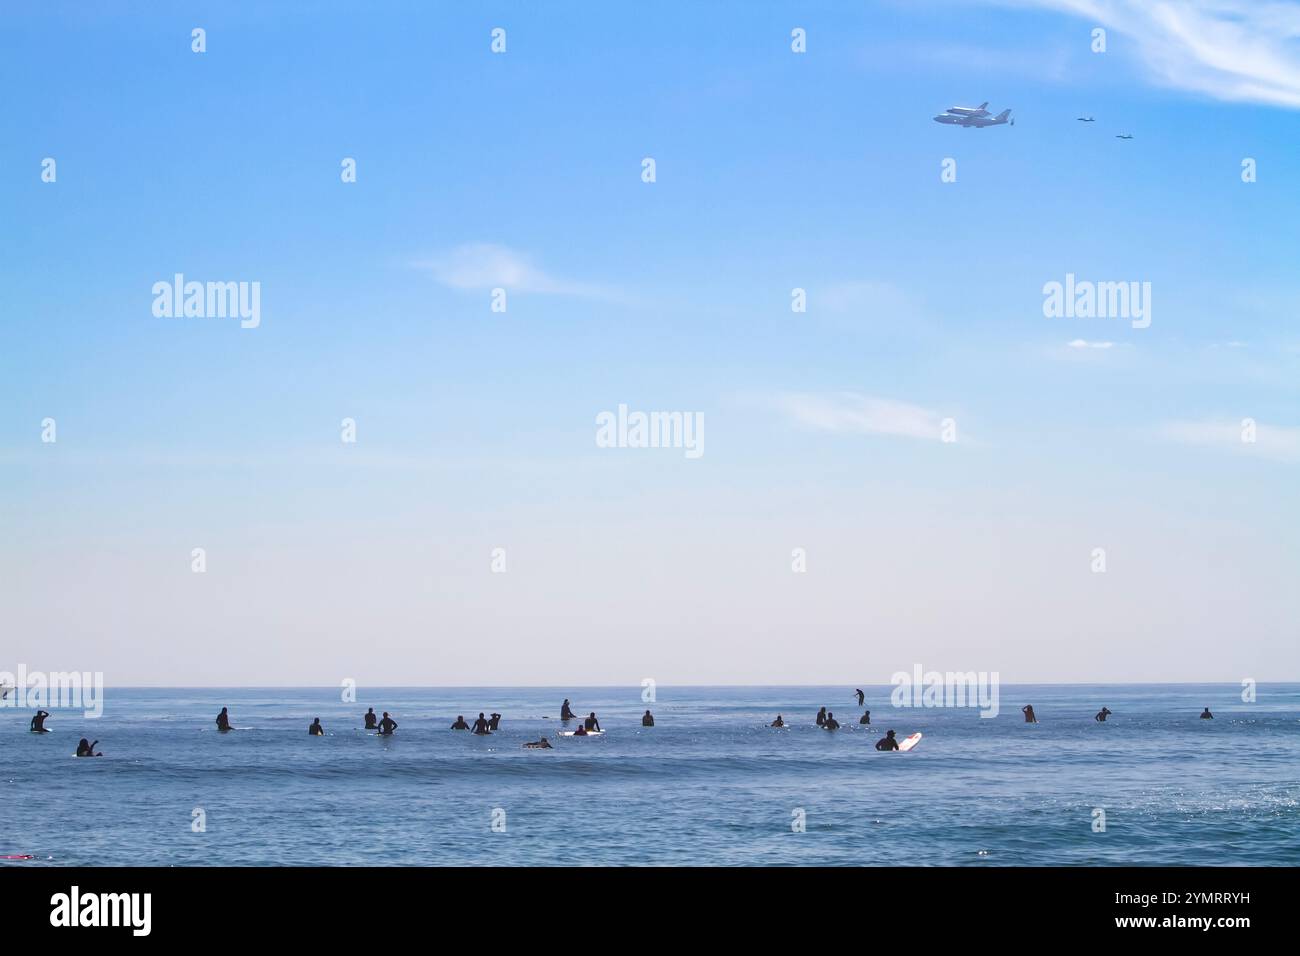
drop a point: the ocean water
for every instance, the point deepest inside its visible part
(710, 784)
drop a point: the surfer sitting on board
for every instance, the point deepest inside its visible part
(580, 732)
(821, 717)
(779, 722)
(481, 725)
(460, 723)
(542, 744)
(223, 720)
(1206, 715)
(494, 721)
(887, 742)
(647, 719)
(831, 723)
(591, 723)
(38, 722)
(387, 726)
(316, 730)
(565, 712)
(1102, 715)
(87, 748)
(1028, 711)
(865, 718)
(371, 720)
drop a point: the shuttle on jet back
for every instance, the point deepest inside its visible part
(976, 117)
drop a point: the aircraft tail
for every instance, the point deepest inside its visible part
(984, 105)
(1002, 117)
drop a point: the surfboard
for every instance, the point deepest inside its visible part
(17, 856)
(910, 742)
(574, 733)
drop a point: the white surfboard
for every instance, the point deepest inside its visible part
(590, 733)
(909, 742)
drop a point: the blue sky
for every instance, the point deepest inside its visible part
(775, 170)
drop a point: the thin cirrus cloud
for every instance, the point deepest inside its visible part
(1278, 442)
(1085, 344)
(486, 265)
(1234, 50)
(855, 413)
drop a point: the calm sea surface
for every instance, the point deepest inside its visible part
(710, 784)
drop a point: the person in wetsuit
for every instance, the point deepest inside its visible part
(542, 744)
(87, 748)
(371, 720)
(647, 719)
(1206, 715)
(591, 723)
(887, 742)
(38, 722)
(580, 732)
(831, 723)
(779, 722)
(223, 720)
(494, 721)
(821, 717)
(1102, 715)
(861, 696)
(460, 723)
(565, 712)
(387, 725)
(316, 730)
(481, 725)
(1028, 711)
(865, 718)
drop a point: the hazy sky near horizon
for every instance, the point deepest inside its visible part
(475, 429)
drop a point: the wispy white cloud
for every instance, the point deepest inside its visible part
(485, 265)
(1279, 442)
(1236, 50)
(854, 413)
(1085, 344)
